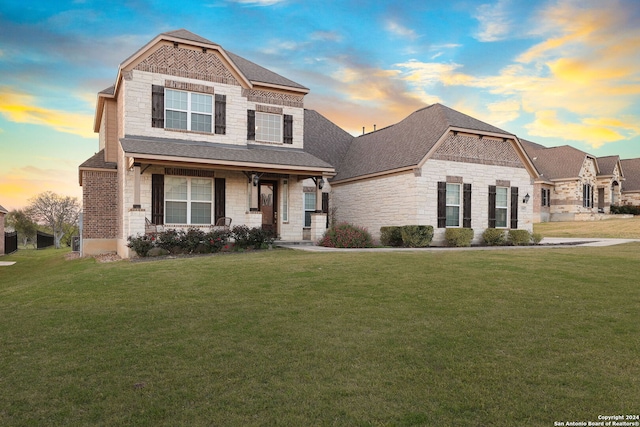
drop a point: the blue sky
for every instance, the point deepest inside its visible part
(554, 72)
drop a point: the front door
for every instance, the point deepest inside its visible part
(600, 199)
(269, 205)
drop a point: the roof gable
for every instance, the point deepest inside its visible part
(631, 169)
(3, 210)
(553, 163)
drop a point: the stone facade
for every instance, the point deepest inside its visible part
(567, 195)
(410, 198)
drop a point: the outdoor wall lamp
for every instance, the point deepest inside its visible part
(321, 183)
(255, 179)
(526, 199)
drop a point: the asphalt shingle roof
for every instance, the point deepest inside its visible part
(324, 139)
(555, 162)
(221, 152)
(406, 143)
(631, 170)
(607, 164)
(3, 210)
(97, 162)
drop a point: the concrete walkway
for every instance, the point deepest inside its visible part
(547, 243)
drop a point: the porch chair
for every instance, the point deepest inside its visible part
(223, 223)
(150, 228)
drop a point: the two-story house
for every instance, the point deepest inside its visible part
(190, 133)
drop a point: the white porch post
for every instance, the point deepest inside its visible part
(136, 186)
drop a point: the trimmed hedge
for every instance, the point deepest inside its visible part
(344, 235)
(494, 237)
(519, 237)
(391, 236)
(458, 237)
(625, 210)
(417, 236)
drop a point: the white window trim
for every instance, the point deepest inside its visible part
(285, 200)
(459, 205)
(189, 110)
(259, 136)
(305, 210)
(188, 201)
(505, 208)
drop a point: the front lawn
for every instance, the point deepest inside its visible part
(291, 338)
(617, 228)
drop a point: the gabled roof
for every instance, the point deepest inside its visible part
(324, 139)
(406, 143)
(256, 157)
(556, 163)
(3, 210)
(631, 168)
(96, 162)
(607, 165)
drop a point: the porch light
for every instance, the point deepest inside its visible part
(526, 199)
(321, 183)
(255, 179)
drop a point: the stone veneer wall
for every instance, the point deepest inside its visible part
(412, 197)
(566, 197)
(1, 233)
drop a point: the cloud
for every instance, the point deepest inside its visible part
(18, 185)
(259, 3)
(495, 23)
(23, 108)
(399, 30)
(594, 132)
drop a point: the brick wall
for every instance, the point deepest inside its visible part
(99, 197)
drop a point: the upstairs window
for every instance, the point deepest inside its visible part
(268, 127)
(188, 111)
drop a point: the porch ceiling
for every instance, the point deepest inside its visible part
(250, 157)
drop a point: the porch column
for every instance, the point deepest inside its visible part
(136, 186)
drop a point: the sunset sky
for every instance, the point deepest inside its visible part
(554, 72)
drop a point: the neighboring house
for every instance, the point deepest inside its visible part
(191, 134)
(630, 194)
(436, 167)
(3, 212)
(571, 185)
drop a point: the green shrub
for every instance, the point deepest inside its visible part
(344, 235)
(216, 240)
(494, 237)
(519, 237)
(260, 238)
(536, 238)
(169, 240)
(391, 236)
(417, 236)
(458, 237)
(193, 241)
(141, 244)
(240, 234)
(625, 210)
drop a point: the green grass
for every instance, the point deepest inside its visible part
(288, 338)
(616, 228)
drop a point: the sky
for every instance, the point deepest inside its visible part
(553, 72)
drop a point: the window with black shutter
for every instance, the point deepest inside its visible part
(221, 114)
(157, 199)
(157, 106)
(251, 125)
(514, 207)
(466, 206)
(219, 199)
(288, 129)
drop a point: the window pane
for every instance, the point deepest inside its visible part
(175, 188)
(310, 201)
(453, 194)
(200, 213)
(201, 103)
(176, 120)
(268, 127)
(176, 212)
(501, 197)
(453, 216)
(501, 217)
(200, 122)
(201, 189)
(176, 100)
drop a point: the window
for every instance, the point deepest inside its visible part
(587, 196)
(309, 207)
(501, 206)
(188, 111)
(546, 197)
(188, 200)
(453, 205)
(268, 127)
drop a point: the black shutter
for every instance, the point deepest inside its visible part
(325, 207)
(221, 114)
(251, 125)
(591, 195)
(514, 207)
(492, 206)
(442, 204)
(219, 199)
(288, 129)
(466, 207)
(157, 106)
(157, 199)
